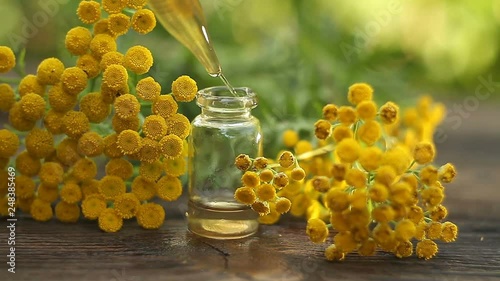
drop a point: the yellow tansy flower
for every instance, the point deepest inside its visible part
(75, 124)
(138, 59)
(17, 120)
(92, 206)
(348, 150)
(150, 151)
(41, 210)
(370, 132)
(7, 59)
(111, 148)
(29, 84)
(266, 175)
(366, 110)
(169, 188)
(171, 146)
(74, 80)
(261, 207)
(341, 132)
(283, 205)
(184, 89)
(148, 89)
(330, 112)
(89, 65)
(47, 193)
(150, 216)
(143, 189)
(119, 167)
(154, 127)
(175, 167)
(49, 71)
(449, 232)
(114, 6)
(118, 24)
(126, 205)
(447, 173)
(39, 143)
(359, 92)
(130, 142)
(389, 113)
(102, 44)
(90, 144)
(66, 212)
(71, 193)
(61, 101)
(89, 11)
(424, 153)
(136, 4)
(67, 151)
(179, 125)
(345, 242)
(53, 122)
(143, 21)
(84, 169)
(322, 129)
(111, 186)
(109, 220)
(119, 125)
(7, 97)
(151, 171)
(317, 230)
(165, 106)
(51, 174)
(426, 249)
(77, 40)
(9, 143)
(94, 107)
(332, 253)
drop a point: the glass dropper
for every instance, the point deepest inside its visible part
(184, 19)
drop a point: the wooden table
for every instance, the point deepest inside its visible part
(56, 251)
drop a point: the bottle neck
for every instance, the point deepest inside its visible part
(226, 114)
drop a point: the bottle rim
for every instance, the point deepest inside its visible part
(220, 98)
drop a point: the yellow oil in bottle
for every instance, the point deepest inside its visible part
(184, 19)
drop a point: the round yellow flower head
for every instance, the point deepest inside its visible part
(150, 151)
(154, 127)
(290, 138)
(370, 158)
(401, 193)
(111, 58)
(356, 178)
(428, 175)
(321, 183)
(127, 106)
(47, 193)
(250, 179)
(66, 212)
(115, 77)
(126, 205)
(322, 129)
(7, 97)
(283, 205)
(53, 122)
(438, 213)
(84, 169)
(330, 112)
(51, 174)
(370, 132)
(347, 115)
(348, 150)
(143, 189)
(175, 167)
(109, 220)
(270, 218)
(415, 214)
(74, 80)
(367, 247)
(171, 146)
(25, 187)
(265, 192)
(102, 44)
(243, 162)
(89, 11)
(245, 195)
(389, 113)
(77, 40)
(449, 232)
(151, 171)
(286, 159)
(280, 180)
(39, 143)
(109, 95)
(165, 106)
(90, 144)
(341, 132)
(129, 142)
(184, 89)
(260, 163)
(118, 24)
(405, 230)
(332, 253)
(298, 174)
(317, 230)
(92, 206)
(433, 230)
(138, 59)
(383, 213)
(89, 65)
(150, 216)
(41, 210)
(94, 107)
(49, 71)
(119, 167)
(27, 165)
(179, 125)
(169, 188)
(366, 110)
(75, 124)
(114, 6)
(71, 193)
(404, 249)
(303, 146)
(17, 120)
(148, 89)
(378, 192)
(9, 143)
(398, 158)
(424, 152)
(7, 59)
(111, 148)
(261, 207)
(29, 84)
(67, 151)
(111, 186)
(336, 200)
(426, 249)
(432, 195)
(266, 175)
(447, 173)
(143, 21)
(61, 101)
(345, 241)
(359, 92)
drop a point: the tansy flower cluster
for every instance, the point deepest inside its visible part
(66, 123)
(369, 180)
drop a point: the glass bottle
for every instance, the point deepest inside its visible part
(224, 129)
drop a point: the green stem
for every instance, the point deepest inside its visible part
(10, 80)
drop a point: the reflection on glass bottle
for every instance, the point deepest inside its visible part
(224, 129)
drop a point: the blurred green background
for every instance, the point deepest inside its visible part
(298, 55)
